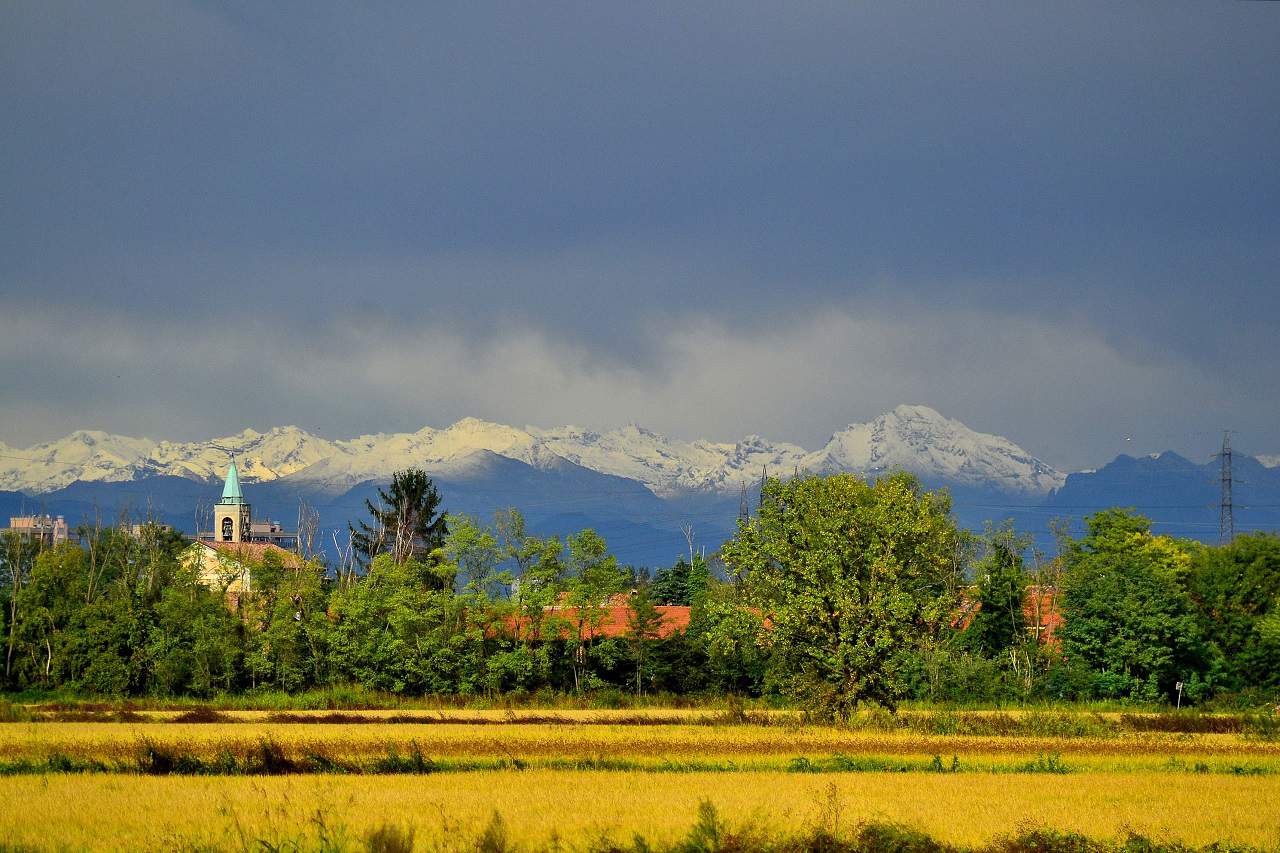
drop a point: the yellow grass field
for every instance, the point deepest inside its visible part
(573, 778)
(746, 746)
(448, 811)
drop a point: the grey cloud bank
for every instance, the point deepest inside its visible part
(1059, 225)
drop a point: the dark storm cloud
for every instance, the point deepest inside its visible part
(1091, 190)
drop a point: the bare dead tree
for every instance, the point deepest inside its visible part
(345, 553)
(687, 530)
(149, 544)
(97, 559)
(18, 557)
(402, 550)
(308, 524)
(204, 516)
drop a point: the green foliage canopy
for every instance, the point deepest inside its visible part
(852, 578)
(1128, 617)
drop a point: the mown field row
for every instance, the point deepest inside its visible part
(589, 810)
(1013, 722)
(265, 748)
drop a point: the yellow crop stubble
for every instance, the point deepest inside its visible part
(119, 742)
(133, 812)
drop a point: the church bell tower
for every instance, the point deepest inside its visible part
(231, 513)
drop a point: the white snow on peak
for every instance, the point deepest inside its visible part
(921, 440)
(260, 456)
(914, 438)
(1270, 461)
(669, 466)
(82, 455)
(371, 457)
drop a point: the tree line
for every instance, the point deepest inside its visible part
(835, 592)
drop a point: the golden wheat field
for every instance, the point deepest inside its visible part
(654, 746)
(449, 811)
(245, 781)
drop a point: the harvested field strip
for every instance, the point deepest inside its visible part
(366, 748)
(38, 740)
(1024, 723)
(269, 759)
(131, 812)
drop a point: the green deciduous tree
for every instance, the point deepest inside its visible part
(1000, 587)
(395, 629)
(540, 573)
(17, 556)
(643, 627)
(852, 579)
(194, 646)
(1128, 616)
(286, 624)
(593, 577)
(1235, 590)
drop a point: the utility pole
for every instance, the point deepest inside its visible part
(1226, 512)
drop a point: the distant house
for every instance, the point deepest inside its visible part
(228, 566)
(137, 530)
(47, 530)
(1039, 608)
(613, 619)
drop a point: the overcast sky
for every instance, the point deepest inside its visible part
(1056, 222)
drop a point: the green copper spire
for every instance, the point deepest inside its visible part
(231, 493)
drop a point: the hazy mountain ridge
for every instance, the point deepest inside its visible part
(914, 438)
(1180, 496)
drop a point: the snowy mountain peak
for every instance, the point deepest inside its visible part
(469, 425)
(1270, 461)
(82, 455)
(912, 437)
(916, 411)
(921, 440)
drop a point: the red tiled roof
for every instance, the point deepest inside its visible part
(612, 620)
(255, 551)
(1039, 607)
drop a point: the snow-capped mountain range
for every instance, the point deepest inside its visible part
(914, 438)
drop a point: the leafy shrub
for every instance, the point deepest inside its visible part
(895, 838)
